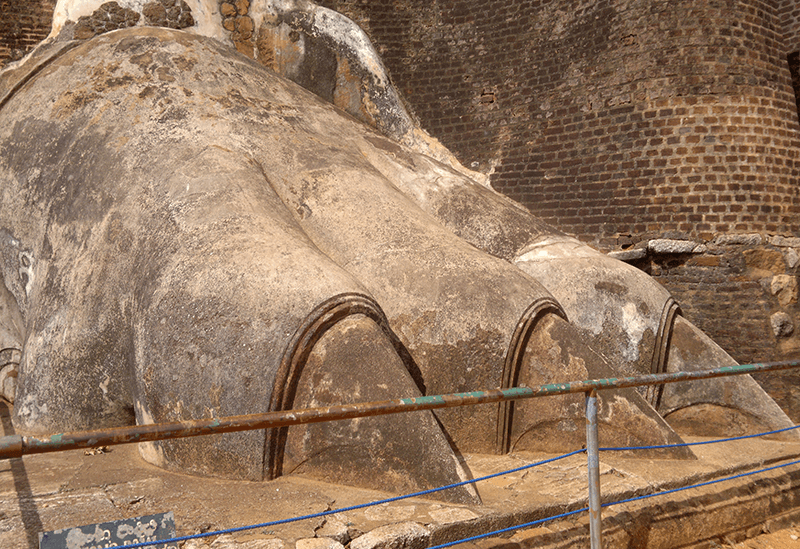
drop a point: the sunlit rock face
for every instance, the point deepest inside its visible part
(186, 234)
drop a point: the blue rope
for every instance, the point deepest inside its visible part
(715, 441)
(494, 475)
(673, 490)
(353, 507)
(646, 496)
(510, 529)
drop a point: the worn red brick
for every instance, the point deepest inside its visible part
(23, 24)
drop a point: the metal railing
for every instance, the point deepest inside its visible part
(14, 446)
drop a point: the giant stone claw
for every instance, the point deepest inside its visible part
(186, 234)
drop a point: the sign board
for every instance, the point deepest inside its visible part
(113, 534)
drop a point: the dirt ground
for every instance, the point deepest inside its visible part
(788, 538)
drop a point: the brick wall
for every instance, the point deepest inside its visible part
(607, 118)
(625, 120)
(23, 24)
(789, 15)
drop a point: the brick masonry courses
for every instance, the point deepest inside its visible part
(607, 118)
(619, 121)
(23, 24)
(613, 120)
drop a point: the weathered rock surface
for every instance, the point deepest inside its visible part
(187, 235)
(782, 325)
(318, 543)
(404, 535)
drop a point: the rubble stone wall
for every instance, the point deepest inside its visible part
(740, 289)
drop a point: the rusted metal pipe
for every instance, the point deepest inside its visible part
(18, 445)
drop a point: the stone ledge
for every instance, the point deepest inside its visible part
(629, 255)
(784, 242)
(753, 239)
(669, 246)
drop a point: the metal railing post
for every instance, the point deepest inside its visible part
(593, 455)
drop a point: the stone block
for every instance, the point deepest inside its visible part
(762, 259)
(791, 257)
(227, 541)
(669, 246)
(785, 288)
(528, 537)
(738, 240)
(262, 544)
(318, 543)
(448, 515)
(784, 242)
(405, 535)
(335, 527)
(782, 325)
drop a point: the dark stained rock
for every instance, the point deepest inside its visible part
(109, 16)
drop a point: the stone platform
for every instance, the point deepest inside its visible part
(51, 491)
